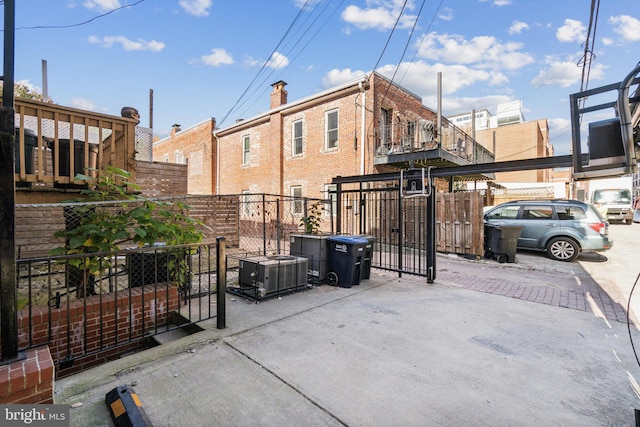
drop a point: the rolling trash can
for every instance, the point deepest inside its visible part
(365, 270)
(345, 260)
(501, 241)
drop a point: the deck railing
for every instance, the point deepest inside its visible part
(424, 136)
(54, 143)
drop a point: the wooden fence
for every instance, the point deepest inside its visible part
(459, 223)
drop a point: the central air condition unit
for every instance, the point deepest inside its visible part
(265, 276)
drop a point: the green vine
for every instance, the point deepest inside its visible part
(95, 228)
(312, 220)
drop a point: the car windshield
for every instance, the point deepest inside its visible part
(612, 196)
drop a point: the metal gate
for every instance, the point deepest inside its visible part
(399, 211)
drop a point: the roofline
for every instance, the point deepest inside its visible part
(166, 138)
(301, 101)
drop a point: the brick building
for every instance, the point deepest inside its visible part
(510, 137)
(369, 125)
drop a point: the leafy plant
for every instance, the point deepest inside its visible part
(312, 220)
(95, 227)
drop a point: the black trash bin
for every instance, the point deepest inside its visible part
(368, 256)
(501, 241)
(345, 260)
(64, 157)
(30, 142)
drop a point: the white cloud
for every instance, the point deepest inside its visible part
(565, 73)
(382, 17)
(102, 5)
(517, 27)
(336, 76)
(217, 58)
(446, 14)
(277, 61)
(607, 41)
(109, 41)
(454, 106)
(627, 26)
(196, 7)
(84, 104)
(502, 2)
(421, 77)
(571, 31)
(483, 51)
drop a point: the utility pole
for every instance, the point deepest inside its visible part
(8, 291)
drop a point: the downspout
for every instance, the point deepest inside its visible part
(362, 126)
(213, 132)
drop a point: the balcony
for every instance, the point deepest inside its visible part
(421, 147)
(54, 143)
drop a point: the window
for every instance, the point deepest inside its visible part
(537, 212)
(246, 203)
(166, 158)
(570, 212)
(506, 212)
(179, 158)
(331, 129)
(296, 202)
(246, 148)
(296, 132)
(330, 208)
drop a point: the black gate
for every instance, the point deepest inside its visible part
(399, 211)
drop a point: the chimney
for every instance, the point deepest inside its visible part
(279, 95)
(175, 129)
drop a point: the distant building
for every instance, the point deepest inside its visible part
(369, 125)
(510, 137)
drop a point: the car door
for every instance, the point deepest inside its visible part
(539, 222)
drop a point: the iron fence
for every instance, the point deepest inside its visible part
(88, 316)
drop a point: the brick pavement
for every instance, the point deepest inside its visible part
(572, 290)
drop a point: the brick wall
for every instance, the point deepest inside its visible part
(29, 380)
(274, 169)
(88, 330)
(518, 141)
(198, 147)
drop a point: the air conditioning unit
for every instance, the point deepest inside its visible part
(265, 276)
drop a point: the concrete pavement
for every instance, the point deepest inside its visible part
(483, 345)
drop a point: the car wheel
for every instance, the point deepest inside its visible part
(563, 249)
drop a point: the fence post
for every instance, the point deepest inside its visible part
(221, 285)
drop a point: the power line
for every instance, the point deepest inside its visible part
(237, 103)
(42, 27)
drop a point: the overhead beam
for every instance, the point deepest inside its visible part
(481, 168)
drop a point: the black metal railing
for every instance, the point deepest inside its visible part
(88, 316)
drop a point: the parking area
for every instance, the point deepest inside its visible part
(472, 348)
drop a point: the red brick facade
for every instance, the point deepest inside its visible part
(271, 166)
(196, 147)
(29, 380)
(87, 327)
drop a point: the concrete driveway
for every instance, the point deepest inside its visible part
(486, 344)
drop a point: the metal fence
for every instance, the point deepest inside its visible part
(91, 315)
(92, 307)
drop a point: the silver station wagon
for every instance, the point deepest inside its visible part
(562, 228)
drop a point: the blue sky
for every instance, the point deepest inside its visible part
(217, 58)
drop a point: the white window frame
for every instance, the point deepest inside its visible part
(295, 138)
(297, 207)
(328, 132)
(246, 207)
(246, 149)
(329, 193)
(166, 158)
